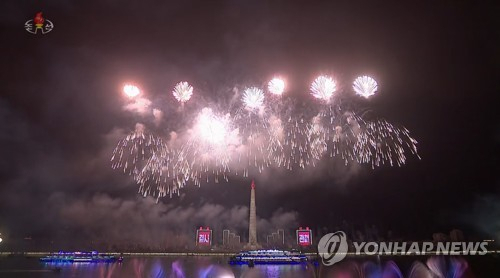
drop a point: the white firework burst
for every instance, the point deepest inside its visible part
(183, 91)
(211, 128)
(365, 86)
(253, 98)
(131, 90)
(323, 87)
(276, 86)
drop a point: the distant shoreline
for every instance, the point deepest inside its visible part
(138, 254)
(212, 254)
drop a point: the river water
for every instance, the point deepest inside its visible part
(217, 267)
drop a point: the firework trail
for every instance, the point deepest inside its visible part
(294, 144)
(156, 177)
(253, 125)
(135, 148)
(290, 143)
(344, 134)
(260, 133)
(205, 154)
(331, 130)
(380, 142)
(323, 131)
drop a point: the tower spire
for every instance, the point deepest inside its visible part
(252, 229)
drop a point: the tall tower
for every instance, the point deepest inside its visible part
(252, 228)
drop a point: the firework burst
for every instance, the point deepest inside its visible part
(253, 98)
(254, 136)
(365, 86)
(183, 92)
(323, 88)
(276, 86)
(135, 148)
(209, 149)
(131, 91)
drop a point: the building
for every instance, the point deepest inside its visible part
(281, 236)
(225, 237)
(230, 240)
(276, 239)
(252, 227)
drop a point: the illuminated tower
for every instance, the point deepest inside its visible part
(252, 227)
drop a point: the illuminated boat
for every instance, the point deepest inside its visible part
(268, 257)
(80, 257)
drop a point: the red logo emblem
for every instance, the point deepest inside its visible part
(38, 23)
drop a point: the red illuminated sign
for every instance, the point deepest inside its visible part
(304, 237)
(204, 237)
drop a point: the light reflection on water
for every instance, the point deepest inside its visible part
(217, 267)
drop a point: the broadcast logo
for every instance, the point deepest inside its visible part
(332, 248)
(38, 24)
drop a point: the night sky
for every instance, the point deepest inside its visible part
(61, 112)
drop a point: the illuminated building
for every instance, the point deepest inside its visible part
(204, 237)
(252, 227)
(230, 240)
(304, 237)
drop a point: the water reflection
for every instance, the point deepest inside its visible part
(435, 267)
(177, 270)
(216, 267)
